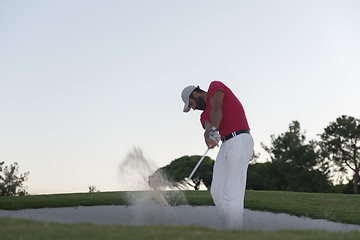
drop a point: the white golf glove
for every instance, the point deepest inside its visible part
(214, 135)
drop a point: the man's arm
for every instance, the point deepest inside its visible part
(216, 102)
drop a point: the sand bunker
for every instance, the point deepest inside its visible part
(179, 215)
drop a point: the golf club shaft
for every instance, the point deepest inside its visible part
(197, 165)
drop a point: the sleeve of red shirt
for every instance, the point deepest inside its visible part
(214, 87)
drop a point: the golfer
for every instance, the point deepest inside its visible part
(223, 118)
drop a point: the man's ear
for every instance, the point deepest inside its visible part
(195, 94)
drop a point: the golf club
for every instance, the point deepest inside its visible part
(197, 165)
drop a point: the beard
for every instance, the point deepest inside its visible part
(200, 103)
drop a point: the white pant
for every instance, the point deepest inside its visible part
(229, 179)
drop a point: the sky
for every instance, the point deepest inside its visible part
(83, 82)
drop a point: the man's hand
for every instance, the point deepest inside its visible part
(212, 137)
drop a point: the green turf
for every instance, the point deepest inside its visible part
(27, 230)
(62, 200)
(334, 207)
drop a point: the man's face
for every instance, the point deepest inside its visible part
(197, 103)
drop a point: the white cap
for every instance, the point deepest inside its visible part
(185, 95)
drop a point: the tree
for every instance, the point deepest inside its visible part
(340, 144)
(258, 177)
(93, 189)
(295, 165)
(11, 182)
(180, 168)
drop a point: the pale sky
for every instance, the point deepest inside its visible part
(83, 82)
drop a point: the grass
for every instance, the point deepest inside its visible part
(62, 200)
(25, 229)
(333, 207)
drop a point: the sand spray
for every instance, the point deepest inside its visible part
(134, 173)
(148, 198)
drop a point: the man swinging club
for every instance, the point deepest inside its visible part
(224, 119)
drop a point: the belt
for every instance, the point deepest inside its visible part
(231, 135)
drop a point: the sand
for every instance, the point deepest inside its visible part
(165, 215)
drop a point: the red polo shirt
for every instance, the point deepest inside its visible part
(233, 114)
